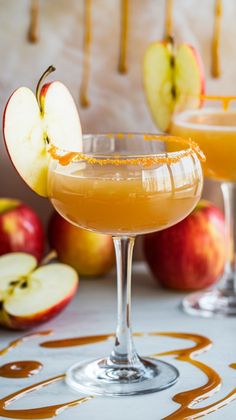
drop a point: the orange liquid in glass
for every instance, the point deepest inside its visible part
(215, 133)
(123, 200)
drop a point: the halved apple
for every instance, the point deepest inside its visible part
(173, 80)
(32, 122)
(30, 295)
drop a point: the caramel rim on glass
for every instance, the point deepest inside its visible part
(65, 157)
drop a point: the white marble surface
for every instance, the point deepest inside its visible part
(93, 312)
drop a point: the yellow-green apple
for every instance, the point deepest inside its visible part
(30, 295)
(90, 253)
(31, 123)
(173, 80)
(20, 229)
(191, 254)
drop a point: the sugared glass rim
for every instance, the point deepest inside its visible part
(180, 120)
(65, 157)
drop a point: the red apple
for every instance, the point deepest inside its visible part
(30, 295)
(90, 253)
(20, 229)
(191, 254)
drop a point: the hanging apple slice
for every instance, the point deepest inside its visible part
(31, 295)
(158, 83)
(189, 78)
(172, 80)
(31, 122)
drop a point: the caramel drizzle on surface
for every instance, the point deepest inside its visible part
(124, 22)
(168, 32)
(21, 340)
(225, 100)
(64, 158)
(76, 341)
(20, 369)
(188, 399)
(84, 98)
(80, 341)
(33, 31)
(215, 46)
(39, 412)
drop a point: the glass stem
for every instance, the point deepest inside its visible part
(124, 352)
(229, 195)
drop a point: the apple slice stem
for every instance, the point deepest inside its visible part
(52, 255)
(49, 70)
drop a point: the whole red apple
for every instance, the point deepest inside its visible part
(191, 254)
(90, 253)
(20, 229)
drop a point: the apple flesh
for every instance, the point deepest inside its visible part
(90, 253)
(190, 255)
(32, 122)
(173, 80)
(20, 229)
(30, 295)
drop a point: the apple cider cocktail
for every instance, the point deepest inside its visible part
(121, 184)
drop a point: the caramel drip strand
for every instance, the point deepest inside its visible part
(19, 341)
(168, 33)
(39, 412)
(33, 31)
(225, 100)
(124, 22)
(84, 98)
(215, 46)
(188, 399)
(21, 369)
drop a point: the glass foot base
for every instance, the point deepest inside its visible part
(100, 377)
(210, 303)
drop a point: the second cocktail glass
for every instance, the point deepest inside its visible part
(214, 129)
(125, 185)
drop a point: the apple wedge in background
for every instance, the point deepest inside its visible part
(33, 122)
(173, 80)
(30, 295)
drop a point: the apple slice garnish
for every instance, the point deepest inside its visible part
(33, 122)
(173, 80)
(30, 295)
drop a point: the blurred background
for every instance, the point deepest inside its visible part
(117, 101)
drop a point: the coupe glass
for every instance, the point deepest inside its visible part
(214, 129)
(125, 185)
